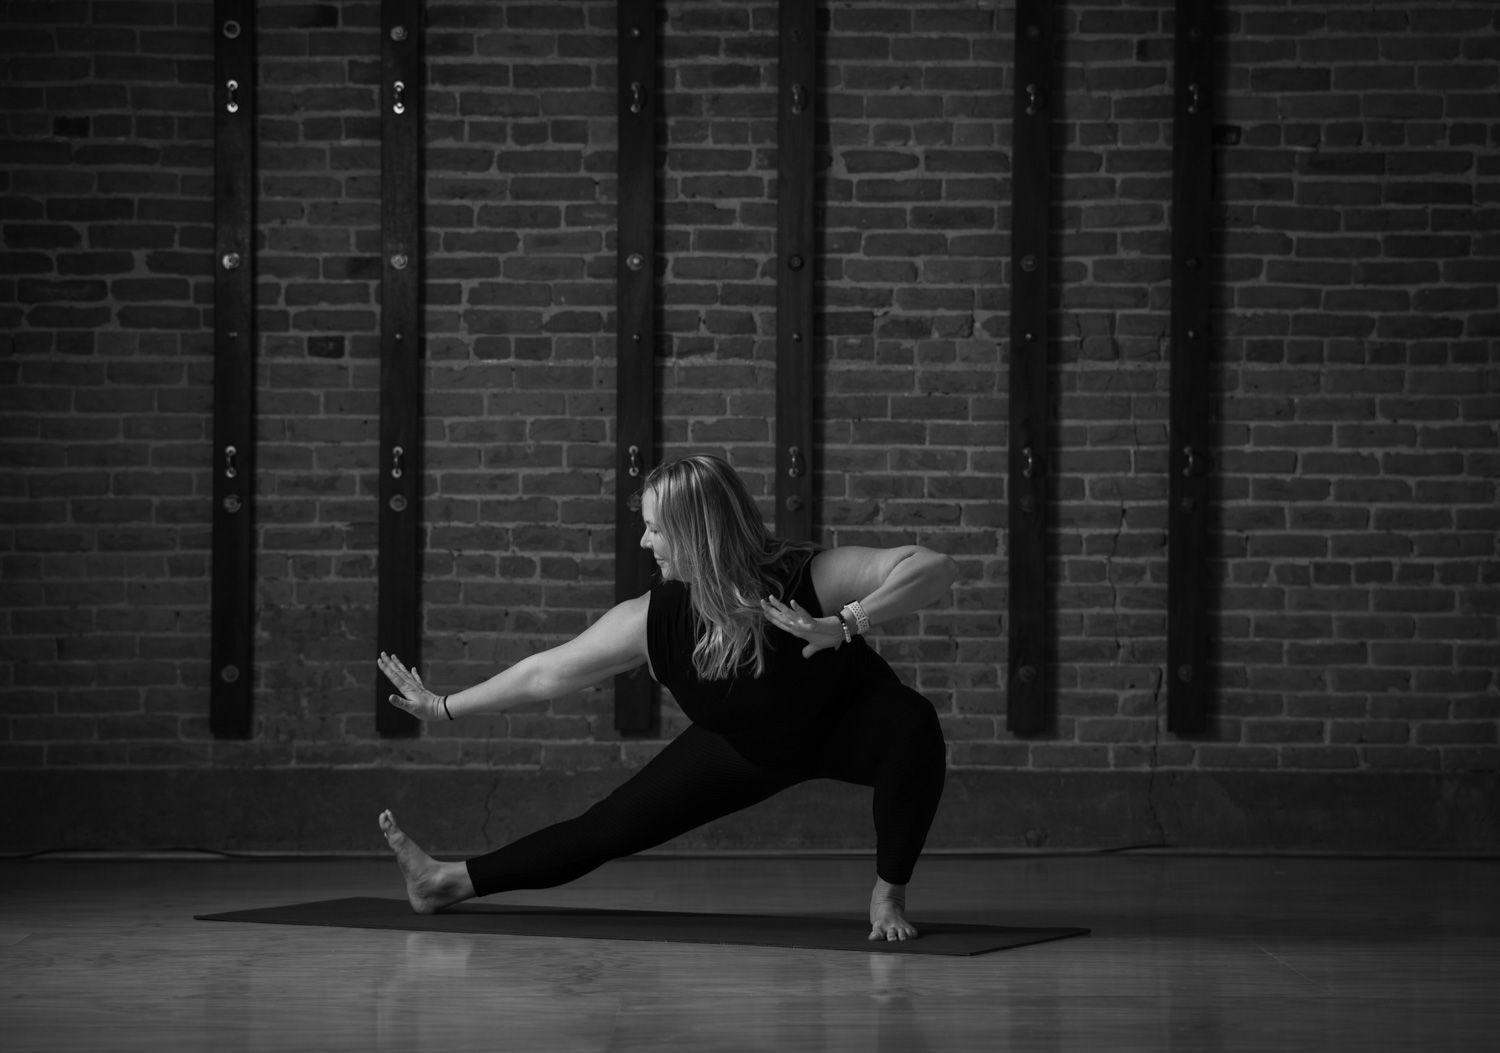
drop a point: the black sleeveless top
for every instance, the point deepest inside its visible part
(780, 717)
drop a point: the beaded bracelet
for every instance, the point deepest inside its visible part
(848, 636)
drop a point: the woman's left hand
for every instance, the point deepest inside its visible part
(819, 633)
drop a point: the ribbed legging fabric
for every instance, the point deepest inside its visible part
(889, 740)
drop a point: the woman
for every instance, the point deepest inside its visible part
(778, 691)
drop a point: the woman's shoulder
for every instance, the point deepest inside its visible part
(667, 593)
(669, 621)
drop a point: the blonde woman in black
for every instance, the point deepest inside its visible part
(762, 644)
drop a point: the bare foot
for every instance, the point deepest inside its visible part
(430, 885)
(888, 913)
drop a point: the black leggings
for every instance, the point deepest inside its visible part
(890, 739)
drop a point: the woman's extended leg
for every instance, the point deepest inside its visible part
(891, 740)
(696, 778)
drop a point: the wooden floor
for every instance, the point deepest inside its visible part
(1187, 953)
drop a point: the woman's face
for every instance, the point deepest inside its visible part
(653, 539)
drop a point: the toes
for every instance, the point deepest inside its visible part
(894, 933)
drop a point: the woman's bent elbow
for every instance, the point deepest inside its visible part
(946, 569)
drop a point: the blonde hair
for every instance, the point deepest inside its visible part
(723, 552)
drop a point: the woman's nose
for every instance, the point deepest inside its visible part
(645, 543)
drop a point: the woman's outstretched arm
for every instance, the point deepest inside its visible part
(614, 644)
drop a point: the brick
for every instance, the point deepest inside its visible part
(1049, 756)
(1456, 733)
(1236, 756)
(1319, 757)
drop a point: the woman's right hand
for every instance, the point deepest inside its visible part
(414, 696)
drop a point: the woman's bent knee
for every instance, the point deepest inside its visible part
(915, 724)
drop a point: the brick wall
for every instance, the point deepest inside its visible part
(1354, 391)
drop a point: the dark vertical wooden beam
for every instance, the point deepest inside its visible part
(233, 588)
(400, 489)
(1191, 351)
(635, 331)
(796, 240)
(1028, 658)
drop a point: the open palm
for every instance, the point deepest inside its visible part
(791, 618)
(414, 696)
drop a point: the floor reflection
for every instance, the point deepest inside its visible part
(1186, 955)
(898, 1024)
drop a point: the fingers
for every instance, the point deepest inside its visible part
(408, 683)
(796, 620)
(776, 612)
(792, 618)
(772, 606)
(397, 673)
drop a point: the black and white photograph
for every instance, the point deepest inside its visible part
(565, 526)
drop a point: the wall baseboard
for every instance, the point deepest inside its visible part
(465, 811)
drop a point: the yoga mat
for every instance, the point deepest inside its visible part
(583, 923)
